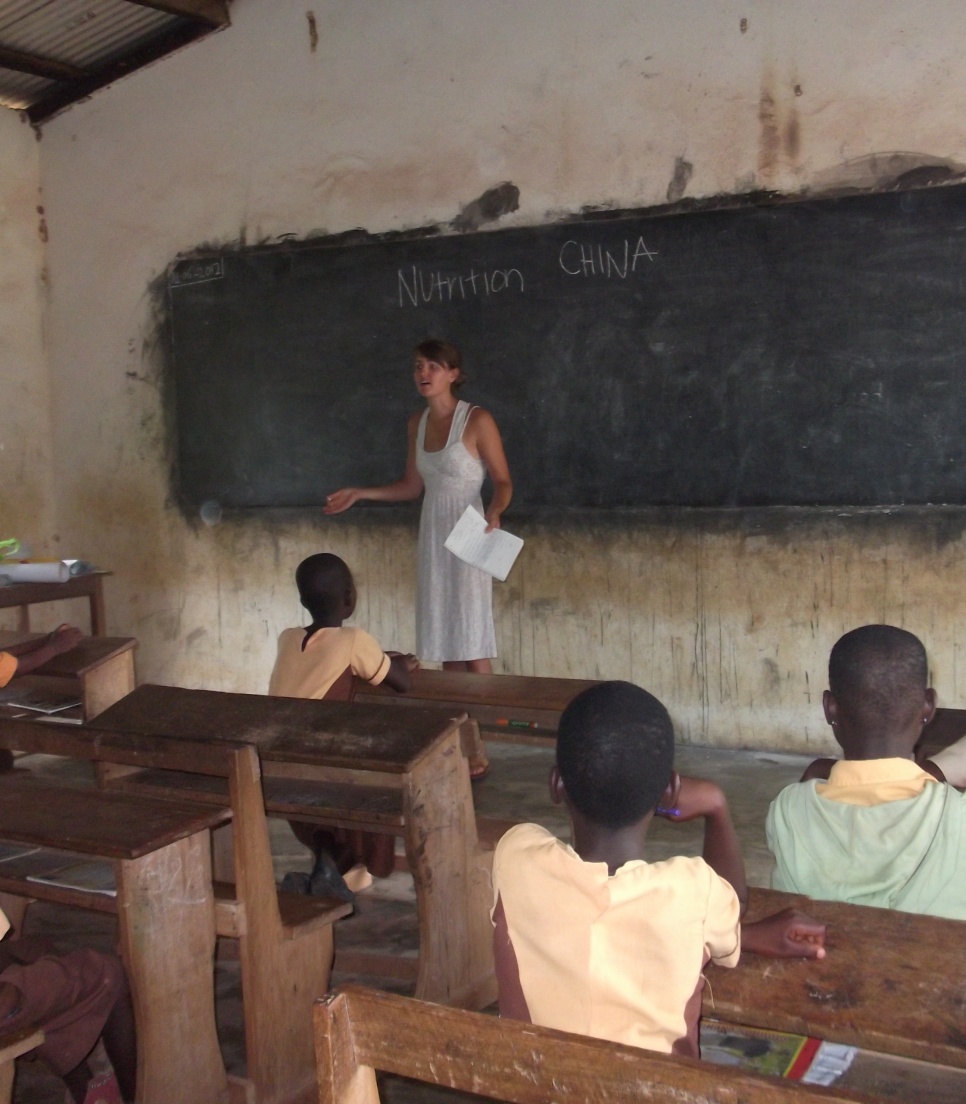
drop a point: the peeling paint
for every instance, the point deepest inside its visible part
(683, 171)
(313, 31)
(493, 204)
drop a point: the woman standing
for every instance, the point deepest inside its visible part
(452, 446)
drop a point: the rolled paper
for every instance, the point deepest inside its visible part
(55, 571)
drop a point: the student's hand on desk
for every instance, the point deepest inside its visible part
(407, 659)
(63, 638)
(341, 500)
(786, 934)
(688, 798)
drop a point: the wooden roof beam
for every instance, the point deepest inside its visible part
(39, 66)
(180, 34)
(212, 12)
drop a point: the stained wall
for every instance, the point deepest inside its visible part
(398, 113)
(26, 503)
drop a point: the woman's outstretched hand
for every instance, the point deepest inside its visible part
(341, 500)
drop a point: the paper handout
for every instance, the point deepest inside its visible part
(494, 552)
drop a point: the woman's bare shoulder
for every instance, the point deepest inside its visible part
(480, 416)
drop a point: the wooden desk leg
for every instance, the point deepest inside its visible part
(452, 886)
(166, 917)
(108, 683)
(15, 909)
(98, 615)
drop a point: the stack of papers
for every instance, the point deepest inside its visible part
(494, 552)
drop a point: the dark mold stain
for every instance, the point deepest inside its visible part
(683, 171)
(493, 204)
(925, 176)
(793, 137)
(313, 31)
(768, 138)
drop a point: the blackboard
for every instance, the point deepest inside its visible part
(809, 353)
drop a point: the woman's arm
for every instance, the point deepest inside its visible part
(488, 445)
(402, 490)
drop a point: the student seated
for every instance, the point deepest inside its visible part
(594, 939)
(310, 662)
(881, 830)
(21, 659)
(75, 998)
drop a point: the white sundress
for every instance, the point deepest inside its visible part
(454, 607)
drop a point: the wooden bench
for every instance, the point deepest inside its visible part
(12, 1046)
(165, 908)
(893, 982)
(388, 771)
(359, 1031)
(518, 709)
(100, 671)
(285, 941)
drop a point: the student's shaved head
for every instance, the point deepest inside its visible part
(615, 752)
(878, 675)
(323, 581)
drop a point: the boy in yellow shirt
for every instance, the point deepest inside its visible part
(309, 664)
(593, 938)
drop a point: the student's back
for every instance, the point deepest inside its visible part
(881, 831)
(595, 939)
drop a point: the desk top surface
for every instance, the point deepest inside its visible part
(890, 981)
(291, 730)
(96, 822)
(23, 594)
(89, 654)
(466, 687)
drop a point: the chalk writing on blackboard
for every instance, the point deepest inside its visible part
(416, 286)
(577, 259)
(197, 272)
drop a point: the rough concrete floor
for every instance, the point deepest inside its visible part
(385, 920)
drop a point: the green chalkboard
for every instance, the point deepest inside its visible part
(806, 353)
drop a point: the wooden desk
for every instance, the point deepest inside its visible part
(892, 981)
(100, 669)
(285, 941)
(357, 766)
(359, 1031)
(90, 586)
(166, 917)
(493, 701)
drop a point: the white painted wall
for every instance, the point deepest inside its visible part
(405, 111)
(26, 502)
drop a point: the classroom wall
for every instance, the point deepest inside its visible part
(26, 502)
(392, 114)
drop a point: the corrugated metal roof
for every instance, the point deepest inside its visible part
(83, 32)
(53, 52)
